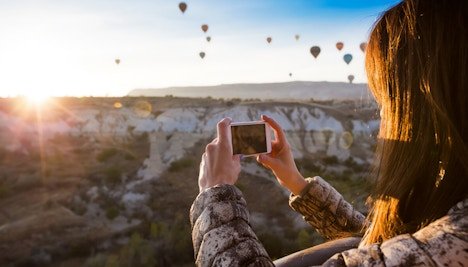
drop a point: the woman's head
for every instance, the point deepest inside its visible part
(417, 63)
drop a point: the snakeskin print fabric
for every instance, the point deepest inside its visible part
(326, 210)
(222, 235)
(221, 232)
(444, 242)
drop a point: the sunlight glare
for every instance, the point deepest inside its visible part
(37, 98)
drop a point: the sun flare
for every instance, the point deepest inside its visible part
(37, 99)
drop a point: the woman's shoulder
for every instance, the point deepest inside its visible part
(441, 243)
(446, 239)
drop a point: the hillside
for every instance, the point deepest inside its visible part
(298, 90)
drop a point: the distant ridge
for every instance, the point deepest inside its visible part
(298, 90)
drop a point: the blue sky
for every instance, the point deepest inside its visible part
(53, 47)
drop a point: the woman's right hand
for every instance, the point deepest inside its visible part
(281, 160)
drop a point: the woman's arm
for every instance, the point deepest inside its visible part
(326, 210)
(221, 232)
(320, 204)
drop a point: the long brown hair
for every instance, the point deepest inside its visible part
(416, 62)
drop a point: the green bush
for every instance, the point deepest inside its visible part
(308, 166)
(113, 175)
(138, 252)
(273, 243)
(106, 154)
(129, 156)
(4, 191)
(112, 261)
(99, 260)
(180, 164)
(112, 212)
(330, 160)
(173, 242)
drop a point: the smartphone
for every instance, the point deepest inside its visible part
(250, 138)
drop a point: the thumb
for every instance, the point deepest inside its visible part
(267, 161)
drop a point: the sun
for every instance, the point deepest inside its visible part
(37, 98)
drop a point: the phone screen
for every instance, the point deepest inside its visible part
(248, 139)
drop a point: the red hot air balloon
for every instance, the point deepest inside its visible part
(269, 39)
(339, 45)
(363, 47)
(315, 51)
(182, 7)
(202, 55)
(204, 28)
(350, 78)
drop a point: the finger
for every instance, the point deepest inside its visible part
(203, 161)
(210, 148)
(223, 130)
(279, 134)
(266, 161)
(215, 141)
(237, 158)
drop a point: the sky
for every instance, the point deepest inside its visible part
(68, 48)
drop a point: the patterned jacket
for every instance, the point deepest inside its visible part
(222, 235)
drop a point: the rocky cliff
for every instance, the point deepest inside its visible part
(99, 169)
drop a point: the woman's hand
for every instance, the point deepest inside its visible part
(218, 165)
(281, 160)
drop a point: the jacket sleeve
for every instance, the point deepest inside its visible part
(221, 233)
(441, 243)
(326, 210)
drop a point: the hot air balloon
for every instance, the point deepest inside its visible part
(297, 36)
(347, 58)
(363, 47)
(350, 78)
(269, 39)
(339, 45)
(117, 61)
(208, 38)
(290, 74)
(315, 51)
(182, 7)
(204, 28)
(202, 55)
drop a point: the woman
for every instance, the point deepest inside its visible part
(416, 63)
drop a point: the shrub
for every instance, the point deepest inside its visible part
(112, 212)
(129, 156)
(272, 243)
(138, 252)
(308, 165)
(351, 163)
(113, 175)
(112, 261)
(106, 154)
(180, 164)
(4, 191)
(331, 160)
(99, 260)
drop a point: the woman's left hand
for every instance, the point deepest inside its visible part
(218, 165)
